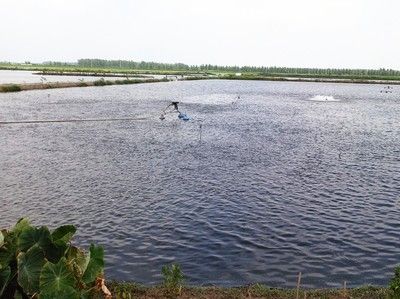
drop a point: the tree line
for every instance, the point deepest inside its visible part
(142, 65)
(272, 70)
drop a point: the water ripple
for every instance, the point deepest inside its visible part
(278, 184)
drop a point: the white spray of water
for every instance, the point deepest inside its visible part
(323, 98)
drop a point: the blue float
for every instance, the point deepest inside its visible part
(183, 117)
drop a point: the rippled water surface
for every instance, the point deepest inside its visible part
(279, 183)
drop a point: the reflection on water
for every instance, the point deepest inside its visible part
(277, 185)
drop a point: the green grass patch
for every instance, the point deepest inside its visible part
(10, 88)
(102, 82)
(133, 290)
(127, 81)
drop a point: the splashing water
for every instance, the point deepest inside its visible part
(323, 98)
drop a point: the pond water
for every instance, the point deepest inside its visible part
(290, 177)
(20, 77)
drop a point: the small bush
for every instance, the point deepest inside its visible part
(11, 88)
(173, 279)
(126, 290)
(100, 82)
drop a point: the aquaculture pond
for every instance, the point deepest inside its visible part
(26, 77)
(267, 179)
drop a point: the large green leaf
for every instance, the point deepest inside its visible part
(66, 293)
(34, 236)
(77, 260)
(57, 281)
(8, 251)
(1, 239)
(54, 252)
(6, 256)
(29, 267)
(5, 276)
(21, 225)
(63, 233)
(96, 264)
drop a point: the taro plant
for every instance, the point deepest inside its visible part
(173, 279)
(38, 263)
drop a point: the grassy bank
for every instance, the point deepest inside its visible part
(186, 75)
(297, 78)
(101, 82)
(312, 76)
(131, 290)
(90, 74)
(58, 70)
(247, 73)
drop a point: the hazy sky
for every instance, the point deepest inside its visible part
(304, 33)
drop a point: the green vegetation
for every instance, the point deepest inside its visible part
(297, 78)
(102, 82)
(173, 279)
(74, 69)
(395, 282)
(136, 81)
(98, 67)
(128, 290)
(173, 287)
(39, 263)
(259, 71)
(10, 88)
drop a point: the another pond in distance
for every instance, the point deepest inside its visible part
(290, 177)
(21, 77)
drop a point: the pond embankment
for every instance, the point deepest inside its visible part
(311, 79)
(132, 290)
(50, 85)
(12, 87)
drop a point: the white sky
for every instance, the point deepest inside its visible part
(302, 33)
